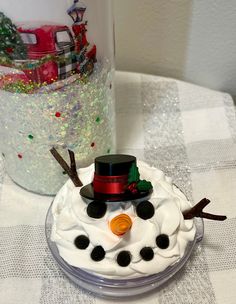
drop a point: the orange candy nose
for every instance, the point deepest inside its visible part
(120, 224)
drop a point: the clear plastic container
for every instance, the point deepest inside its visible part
(56, 87)
(112, 288)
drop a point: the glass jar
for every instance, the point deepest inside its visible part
(56, 87)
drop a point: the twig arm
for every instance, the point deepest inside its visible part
(71, 171)
(60, 160)
(72, 161)
(213, 216)
(196, 211)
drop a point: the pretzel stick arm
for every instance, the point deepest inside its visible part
(196, 211)
(71, 171)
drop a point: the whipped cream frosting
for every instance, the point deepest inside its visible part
(71, 220)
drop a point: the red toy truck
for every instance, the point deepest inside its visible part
(54, 53)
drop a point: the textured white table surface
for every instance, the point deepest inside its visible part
(187, 131)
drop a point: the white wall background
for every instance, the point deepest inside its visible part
(192, 40)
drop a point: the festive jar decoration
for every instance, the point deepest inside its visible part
(56, 87)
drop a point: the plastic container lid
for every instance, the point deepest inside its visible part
(114, 288)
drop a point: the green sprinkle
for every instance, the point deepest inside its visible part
(30, 136)
(98, 119)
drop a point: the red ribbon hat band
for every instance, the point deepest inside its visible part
(112, 179)
(110, 184)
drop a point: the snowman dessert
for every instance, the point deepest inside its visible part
(121, 218)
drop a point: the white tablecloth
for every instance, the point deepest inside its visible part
(187, 131)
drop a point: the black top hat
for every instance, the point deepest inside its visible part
(116, 178)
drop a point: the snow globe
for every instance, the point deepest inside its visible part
(56, 87)
(120, 227)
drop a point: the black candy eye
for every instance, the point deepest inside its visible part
(98, 253)
(96, 209)
(162, 241)
(124, 258)
(147, 253)
(145, 210)
(81, 242)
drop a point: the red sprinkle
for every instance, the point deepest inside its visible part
(58, 114)
(92, 144)
(20, 156)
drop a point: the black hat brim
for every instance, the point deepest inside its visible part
(88, 193)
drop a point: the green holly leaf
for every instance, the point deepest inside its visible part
(133, 174)
(144, 185)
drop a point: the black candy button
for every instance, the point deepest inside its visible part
(147, 253)
(81, 242)
(145, 210)
(96, 209)
(162, 241)
(124, 258)
(98, 253)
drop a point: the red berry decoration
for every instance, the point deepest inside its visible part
(20, 156)
(93, 144)
(132, 188)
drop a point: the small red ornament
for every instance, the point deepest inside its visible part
(58, 114)
(20, 156)
(92, 144)
(9, 50)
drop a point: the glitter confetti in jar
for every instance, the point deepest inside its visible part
(56, 88)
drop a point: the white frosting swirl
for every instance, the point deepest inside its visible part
(71, 220)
